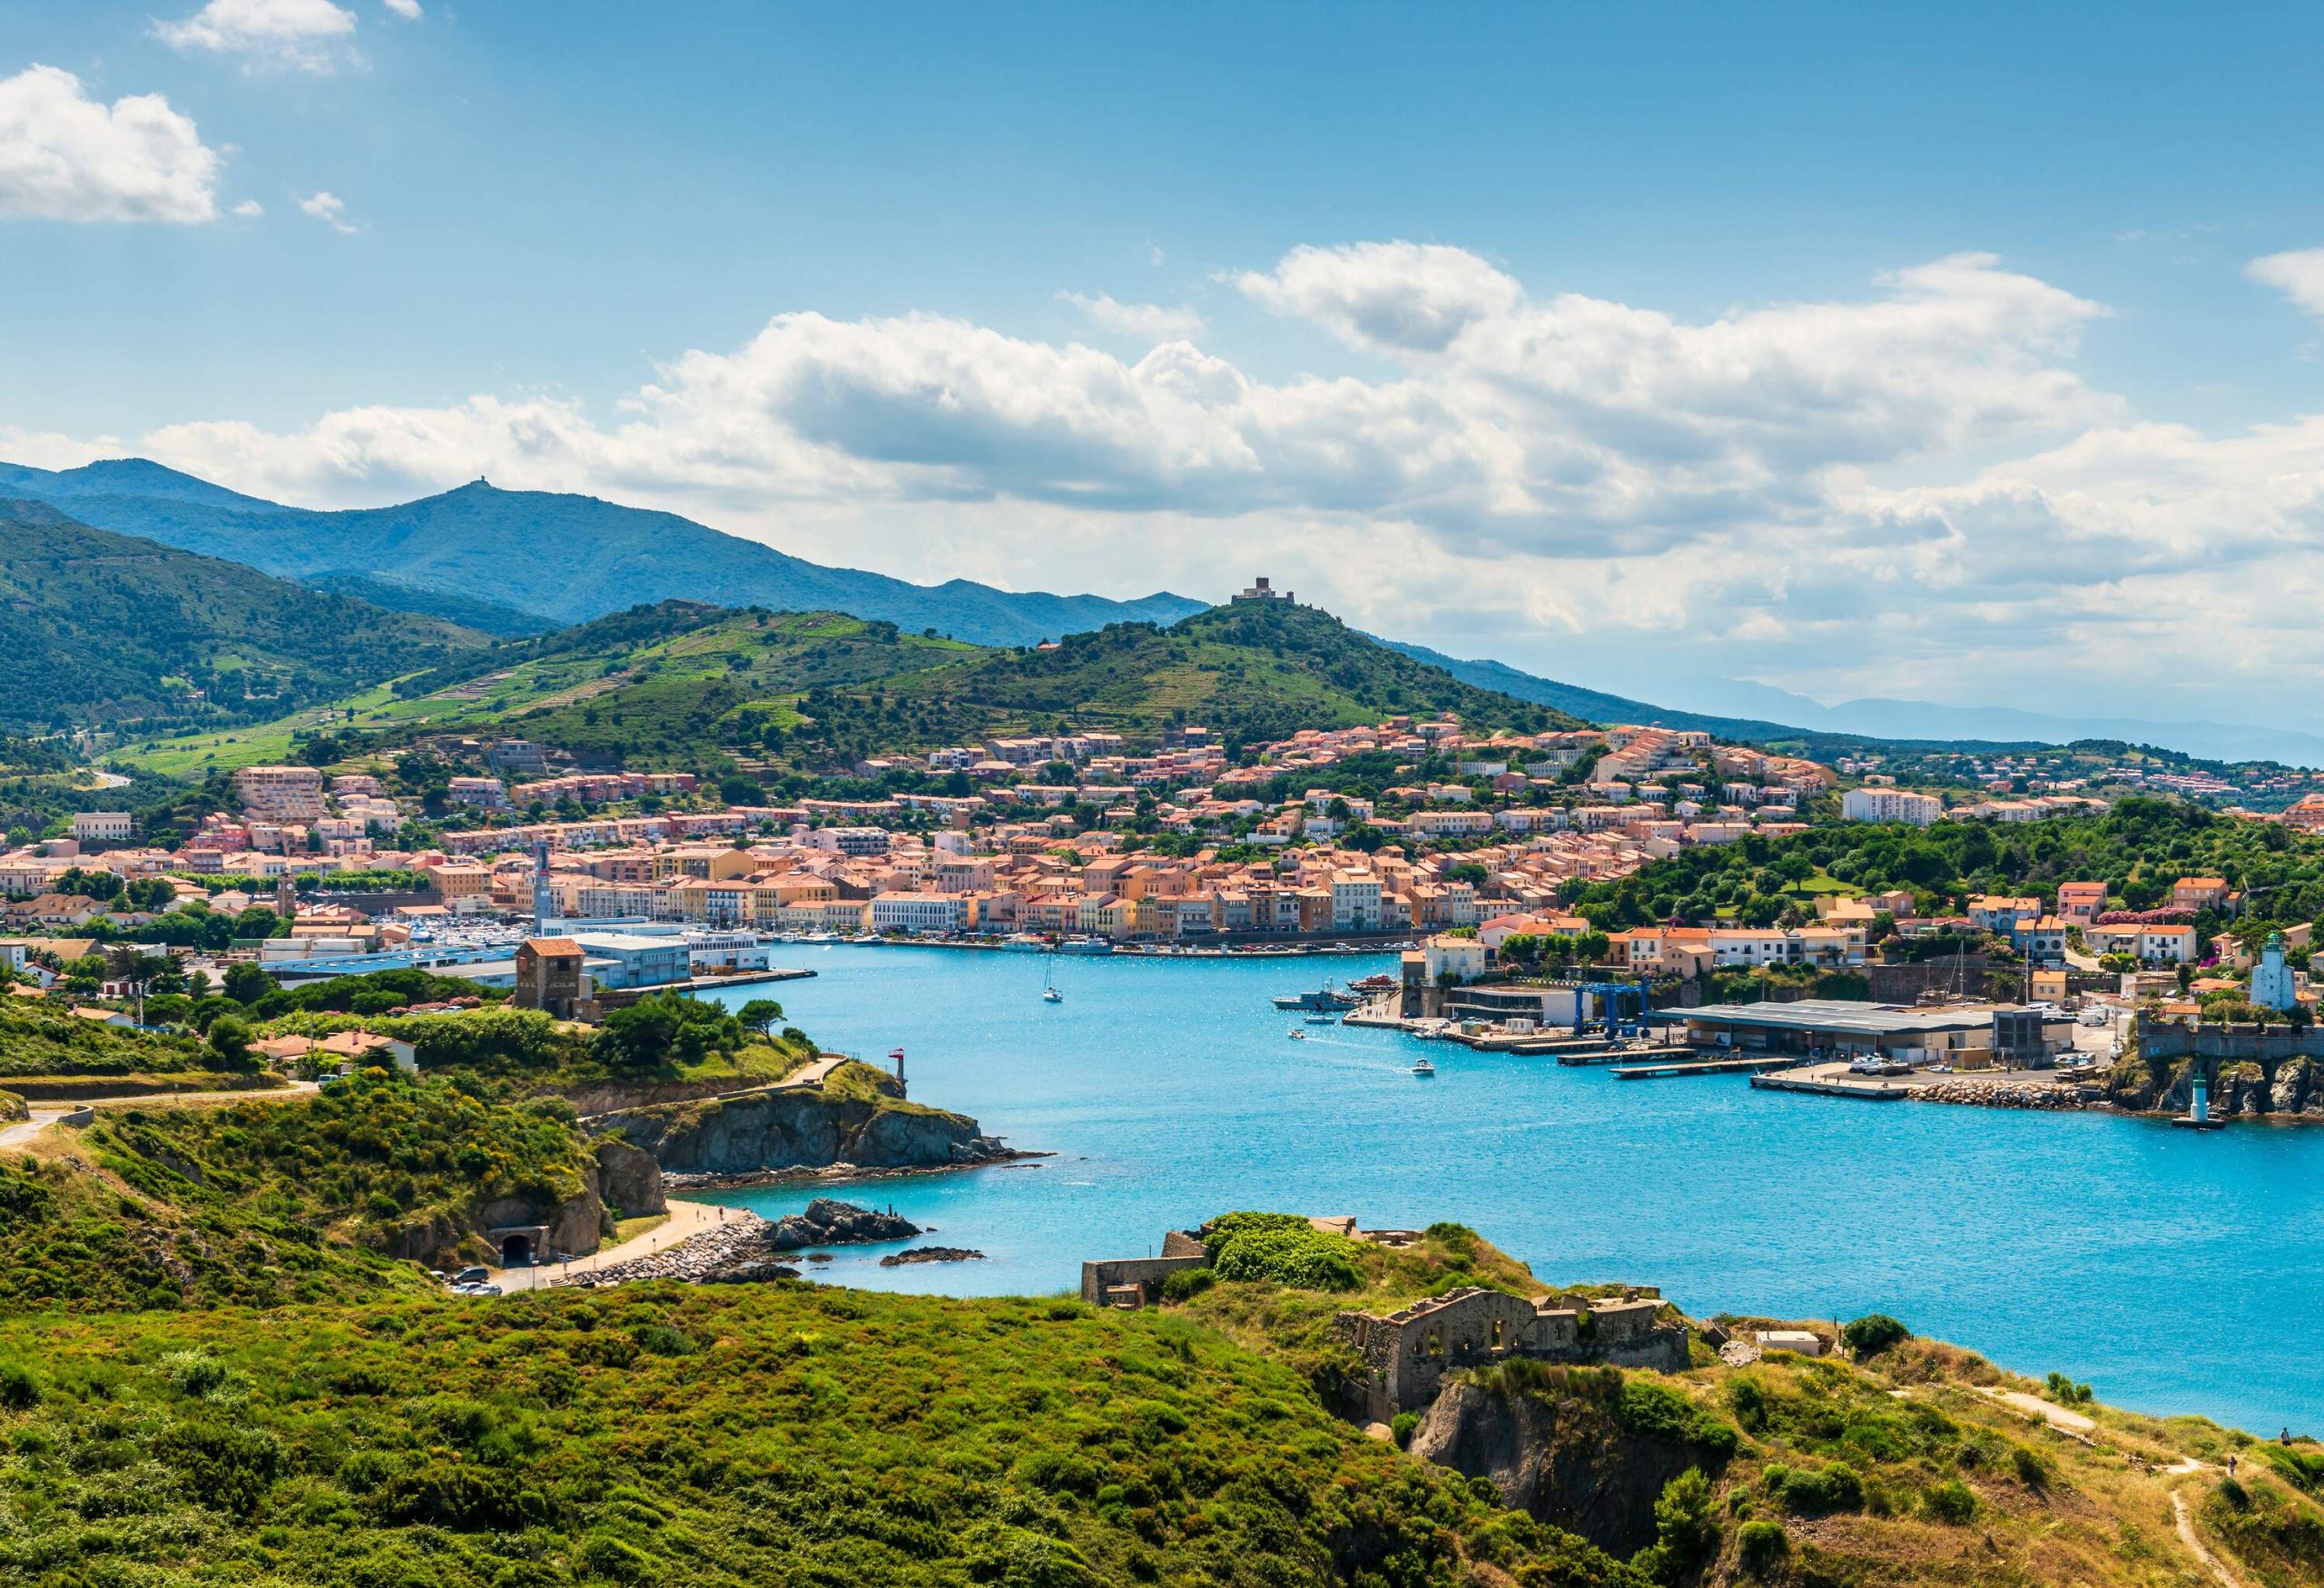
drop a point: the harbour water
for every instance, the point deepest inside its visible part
(2175, 1271)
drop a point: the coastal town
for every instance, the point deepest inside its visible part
(1484, 858)
(1066, 796)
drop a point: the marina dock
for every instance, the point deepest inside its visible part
(1699, 1067)
(1870, 1091)
(745, 979)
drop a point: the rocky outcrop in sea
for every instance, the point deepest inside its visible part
(827, 1223)
(931, 1254)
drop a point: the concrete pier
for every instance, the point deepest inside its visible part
(1699, 1066)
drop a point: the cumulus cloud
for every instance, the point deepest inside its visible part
(64, 156)
(1875, 493)
(247, 210)
(1405, 297)
(1151, 321)
(1569, 428)
(329, 209)
(280, 35)
(407, 9)
(2298, 275)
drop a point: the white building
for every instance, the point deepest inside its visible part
(101, 826)
(917, 912)
(1355, 902)
(1464, 957)
(1890, 805)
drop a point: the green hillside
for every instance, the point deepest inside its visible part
(101, 628)
(680, 685)
(1253, 670)
(787, 1433)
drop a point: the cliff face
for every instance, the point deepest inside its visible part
(1564, 1459)
(2270, 1085)
(629, 1178)
(798, 1128)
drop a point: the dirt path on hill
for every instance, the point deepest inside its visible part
(43, 1115)
(2183, 1523)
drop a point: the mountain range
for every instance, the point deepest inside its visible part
(512, 564)
(561, 557)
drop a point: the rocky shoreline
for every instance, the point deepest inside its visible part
(2003, 1095)
(733, 1253)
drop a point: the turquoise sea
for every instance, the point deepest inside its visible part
(2175, 1272)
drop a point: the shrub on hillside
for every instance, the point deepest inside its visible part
(1874, 1333)
(1186, 1284)
(1305, 1258)
(1813, 1491)
(1951, 1501)
(1763, 1544)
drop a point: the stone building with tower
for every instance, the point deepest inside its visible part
(550, 977)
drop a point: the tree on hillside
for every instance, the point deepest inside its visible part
(246, 983)
(760, 1014)
(230, 1042)
(664, 1028)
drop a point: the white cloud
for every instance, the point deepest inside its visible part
(407, 9)
(64, 156)
(1909, 492)
(247, 210)
(329, 209)
(286, 36)
(2298, 275)
(1401, 296)
(1150, 322)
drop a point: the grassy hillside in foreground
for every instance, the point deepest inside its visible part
(102, 629)
(792, 1433)
(716, 1436)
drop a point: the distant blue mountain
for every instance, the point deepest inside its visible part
(564, 557)
(1920, 720)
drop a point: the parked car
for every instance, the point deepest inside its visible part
(475, 1289)
(472, 1276)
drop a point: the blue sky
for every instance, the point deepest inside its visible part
(1692, 415)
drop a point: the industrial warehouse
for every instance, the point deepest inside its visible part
(1967, 1036)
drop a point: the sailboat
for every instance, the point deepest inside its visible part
(1050, 994)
